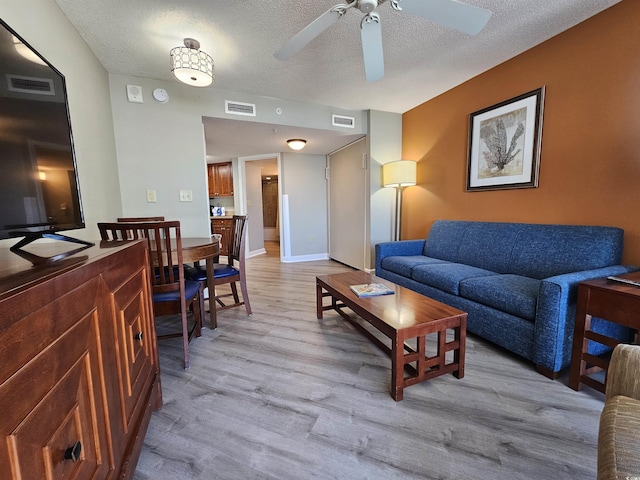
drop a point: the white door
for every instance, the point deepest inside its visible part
(347, 204)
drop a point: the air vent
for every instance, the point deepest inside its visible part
(343, 121)
(38, 86)
(239, 108)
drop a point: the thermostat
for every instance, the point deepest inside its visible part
(160, 95)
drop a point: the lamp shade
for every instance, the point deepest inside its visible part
(399, 174)
(190, 65)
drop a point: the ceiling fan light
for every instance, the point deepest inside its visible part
(191, 65)
(296, 143)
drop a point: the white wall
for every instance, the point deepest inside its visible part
(253, 174)
(303, 180)
(42, 24)
(161, 146)
(385, 145)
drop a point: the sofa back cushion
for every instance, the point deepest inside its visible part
(543, 251)
(489, 245)
(444, 239)
(531, 250)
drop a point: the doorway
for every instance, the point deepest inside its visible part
(270, 209)
(260, 198)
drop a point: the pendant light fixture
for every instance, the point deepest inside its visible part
(191, 65)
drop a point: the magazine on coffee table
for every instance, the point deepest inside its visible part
(371, 289)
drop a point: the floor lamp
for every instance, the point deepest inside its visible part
(399, 174)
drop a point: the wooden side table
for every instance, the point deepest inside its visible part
(612, 301)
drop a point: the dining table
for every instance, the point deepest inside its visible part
(196, 249)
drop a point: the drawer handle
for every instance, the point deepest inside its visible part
(73, 453)
(138, 336)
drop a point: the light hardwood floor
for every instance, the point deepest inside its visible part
(282, 395)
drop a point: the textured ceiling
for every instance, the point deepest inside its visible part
(422, 59)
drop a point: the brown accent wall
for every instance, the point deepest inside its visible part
(590, 156)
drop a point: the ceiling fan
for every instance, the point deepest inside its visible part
(450, 13)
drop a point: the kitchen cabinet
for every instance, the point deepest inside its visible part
(222, 226)
(79, 371)
(220, 179)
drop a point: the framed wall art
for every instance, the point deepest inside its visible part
(504, 144)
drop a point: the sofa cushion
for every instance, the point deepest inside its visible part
(567, 248)
(403, 265)
(619, 439)
(446, 276)
(508, 293)
(489, 245)
(504, 247)
(444, 239)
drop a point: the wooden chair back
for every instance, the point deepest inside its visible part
(234, 273)
(141, 219)
(165, 246)
(167, 272)
(237, 240)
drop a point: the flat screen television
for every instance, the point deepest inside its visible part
(39, 192)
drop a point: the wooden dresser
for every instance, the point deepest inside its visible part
(79, 372)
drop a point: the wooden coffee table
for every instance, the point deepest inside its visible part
(402, 316)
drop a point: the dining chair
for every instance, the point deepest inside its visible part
(172, 293)
(232, 272)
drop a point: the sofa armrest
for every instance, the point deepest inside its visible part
(622, 375)
(401, 247)
(556, 312)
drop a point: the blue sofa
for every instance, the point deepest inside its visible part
(518, 282)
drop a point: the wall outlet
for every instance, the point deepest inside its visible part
(186, 196)
(151, 196)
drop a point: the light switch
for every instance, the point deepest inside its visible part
(186, 196)
(151, 196)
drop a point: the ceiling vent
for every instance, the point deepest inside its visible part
(38, 86)
(343, 121)
(239, 108)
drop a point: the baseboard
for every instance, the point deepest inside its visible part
(255, 253)
(305, 258)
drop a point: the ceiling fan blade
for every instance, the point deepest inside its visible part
(450, 13)
(311, 31)
(371, 34)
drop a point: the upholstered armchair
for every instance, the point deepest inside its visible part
(619, 435)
